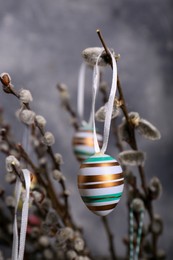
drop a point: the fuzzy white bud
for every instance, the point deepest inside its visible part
(157, 225)
(48, 139)
(25, 96)
(41, 121)
(78, 244)
(101, 113)
(90, 56)
(27, 116)
(58, 158)
(38, 196)
(71, 255)
(64, 234)
(10, 161)
(134, 118)
(4, 147)
(137, 205)
(42, 161)
(155, 188)
(132, 158)
(64, 94)
(57, 175)
(147, 130)
(44, 241)
(10, 201)
(67, 193)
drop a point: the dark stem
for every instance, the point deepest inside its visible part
(103, 42)
(110, 238)
(133, 145)
(18, 173)
(25, 156)
(70, 110)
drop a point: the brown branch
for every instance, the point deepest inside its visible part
(121, 95)
(69, 109)
(133, 144)
(57, 205)
(25, 156)
(18, 173)
(110, 238)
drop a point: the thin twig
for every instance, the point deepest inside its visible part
(110, 238)
(70, 110)
(25, 156)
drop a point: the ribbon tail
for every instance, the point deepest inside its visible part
(24, 219)
(96, 78)
(109, 107)
(15, 245)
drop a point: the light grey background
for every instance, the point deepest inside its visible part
(41, 43)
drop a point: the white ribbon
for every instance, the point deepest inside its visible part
(81, 88)
(109, 106)
(96, 79)
(17, 192)
(19, 243)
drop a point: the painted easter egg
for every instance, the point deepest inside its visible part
(83, 142)
(100, 183)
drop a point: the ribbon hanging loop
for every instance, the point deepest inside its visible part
(109, 106)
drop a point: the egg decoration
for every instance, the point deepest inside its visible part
(34, 181)
(100, 183)
(83, 142)
(33, 185)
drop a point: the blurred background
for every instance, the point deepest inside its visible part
(40, 45)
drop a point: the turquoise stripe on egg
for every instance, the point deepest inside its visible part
(83, 142)
(102, 198)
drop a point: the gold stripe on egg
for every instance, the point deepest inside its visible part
(100, 208)
(97, 178)
(107, 164)
(84, 141)
(100, 185)
(88, 141)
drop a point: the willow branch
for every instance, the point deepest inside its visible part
(110, 238)
(133, 142)
(11, 90)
